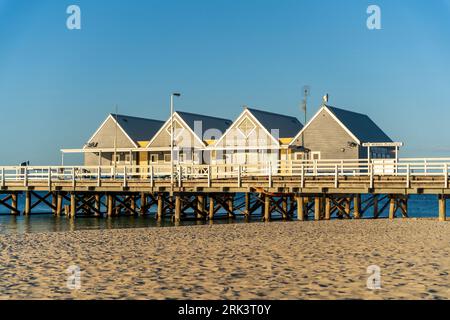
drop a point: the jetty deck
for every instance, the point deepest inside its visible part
(293, 189)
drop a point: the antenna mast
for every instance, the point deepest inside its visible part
(306, 91)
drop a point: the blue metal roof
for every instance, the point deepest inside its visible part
(288, 126)
(207, 122)
(360, 125)
(139, 129)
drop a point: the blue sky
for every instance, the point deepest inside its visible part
(57, 85)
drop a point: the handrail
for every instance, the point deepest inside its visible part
(337, 169)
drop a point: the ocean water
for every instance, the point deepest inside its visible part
(419, 206)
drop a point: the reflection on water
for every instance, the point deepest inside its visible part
(49, 223)
(418, 206)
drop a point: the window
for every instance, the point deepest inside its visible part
(315, 155)
(167, 157)
(246, 127)
(127, 158)
(153, 158)
(298, 156)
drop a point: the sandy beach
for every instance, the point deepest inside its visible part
(278, 260)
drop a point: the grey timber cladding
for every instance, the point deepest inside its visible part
(327, 136)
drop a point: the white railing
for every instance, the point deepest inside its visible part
(206, 173)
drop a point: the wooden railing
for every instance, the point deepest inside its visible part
(406, 168)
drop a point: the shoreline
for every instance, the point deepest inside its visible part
(276, 260)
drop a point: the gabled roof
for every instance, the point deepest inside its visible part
(288, 126)
(207, 122)
(138, 129)
(358, 125)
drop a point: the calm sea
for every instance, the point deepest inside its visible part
(419, 206)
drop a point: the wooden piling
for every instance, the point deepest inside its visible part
(200, 206)
(317, 208)
(110, 205)
(177, 208)
(284, 206)
(230, 203)
(442, 208)
(392, 204)
(327, 208)
(14, 204)
(247, 212)
(267, 213)
(73, 205)
(59, 204)
(211, 208)
(27, 209)
(160, 210)
(357, 206)
(300, 208)
(54, 203)
(97, 204)
(143, 209)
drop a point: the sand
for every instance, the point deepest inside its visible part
(277, 260)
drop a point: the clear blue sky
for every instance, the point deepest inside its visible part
(57, 85)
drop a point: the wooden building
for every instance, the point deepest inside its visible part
(335, 133)
(193, 133)
(256, 136)
(118, 140)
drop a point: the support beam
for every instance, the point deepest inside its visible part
(109, 204)
(73, 205)
(327, 208)
(230, 203)
(59, 204)
(357, 206)
(300, 208)
(144, 208)
(200, 206)
(97, 204)
(442, 208)
(392, 207)
(211, 207)
(27, 209)
(14, 204)
(177, 208)
(317, 208)
(247, 212)
(267, 213)
(160, 210)
(54, 203)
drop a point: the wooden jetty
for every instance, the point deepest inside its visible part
(302, 190)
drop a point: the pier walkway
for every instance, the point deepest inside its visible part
(293, 189)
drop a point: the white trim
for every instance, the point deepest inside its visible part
(183, 123)
(334, 117)
(256, 122)
(117, 124)
(251, 131)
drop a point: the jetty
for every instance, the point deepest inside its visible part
(294, 189)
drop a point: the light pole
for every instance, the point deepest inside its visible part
(171, 138)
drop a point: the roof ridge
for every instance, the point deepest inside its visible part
(345, 110)
(272, 113)
(202, 115)
(134, 117)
